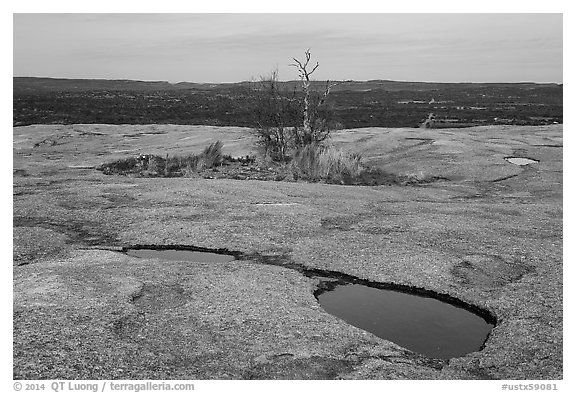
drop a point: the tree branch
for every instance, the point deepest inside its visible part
(299, 65)
(313, 69)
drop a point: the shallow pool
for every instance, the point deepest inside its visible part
(422, 324)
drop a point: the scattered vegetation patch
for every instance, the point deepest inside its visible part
(151, 165)
(312, 163)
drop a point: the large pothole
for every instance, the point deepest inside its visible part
(429, 323)
(422, 324)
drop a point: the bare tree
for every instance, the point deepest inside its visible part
(287, 121)
(314, 130)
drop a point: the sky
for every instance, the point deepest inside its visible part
(236, 47)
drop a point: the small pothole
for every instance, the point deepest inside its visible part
(180, 255)
(521, 161)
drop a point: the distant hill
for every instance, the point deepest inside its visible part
(352, 104)
(31, 84)
(36, 85)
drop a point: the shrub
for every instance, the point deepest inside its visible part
(276, 114)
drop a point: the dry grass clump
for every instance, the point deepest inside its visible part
(326, 163)
(209, 158)
(212, 155)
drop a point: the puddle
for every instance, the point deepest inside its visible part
(421, 324)
(180, 255)
(521, 160)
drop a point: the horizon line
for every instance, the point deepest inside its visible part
(289, 80)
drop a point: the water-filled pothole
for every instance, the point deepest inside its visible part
(180, 255)
(431, 324)
(521, 160)
(422, 324)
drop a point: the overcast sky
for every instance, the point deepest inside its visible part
(237, 47)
